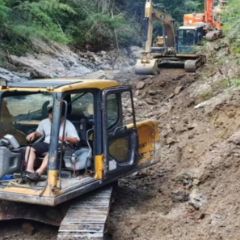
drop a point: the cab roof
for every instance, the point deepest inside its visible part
(61, 84)
(190, 27)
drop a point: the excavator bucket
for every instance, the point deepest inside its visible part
(147, 68)
(213, 35)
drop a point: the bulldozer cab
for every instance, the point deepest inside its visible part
(188, 38)
(111, 143)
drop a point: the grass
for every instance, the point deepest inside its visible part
(206, 95)
(218, 87)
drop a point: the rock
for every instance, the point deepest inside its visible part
(150, 102)
(197, 200)
(96, 75)
(28, 229)
(137, 93)
(150, 82)
(61, 63)
(135, 226)
(129, 110)
(170, 141)
(179, 196)
(162, 84)
(10, 77)
(235, 138)
(149, 115)
(180, 76)
(190, 150)
(135, 52)
(103, 53)
(124, 104)
(215, 218)
(144, 93)
(171, 96)
(192, 126)
(178, 90)
(152, 93)
(140, 85)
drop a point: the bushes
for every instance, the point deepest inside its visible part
(78, 22)
(25, 19)
(98, 23)
(231, 19)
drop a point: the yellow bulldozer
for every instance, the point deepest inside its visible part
(176, 50)
(113, 143)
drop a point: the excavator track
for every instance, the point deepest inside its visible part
(87, 217)
(194, 64)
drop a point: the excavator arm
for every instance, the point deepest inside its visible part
(209, 19)
(160, 16)
(168, 26)
(148, 65)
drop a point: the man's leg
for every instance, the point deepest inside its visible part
(37, 149)
(43, 166)
(30, 157)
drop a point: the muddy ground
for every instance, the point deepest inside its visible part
(193, 192)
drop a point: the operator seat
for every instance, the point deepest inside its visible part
(84, 153)
(82, 158)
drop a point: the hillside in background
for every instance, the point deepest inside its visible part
(90, 25)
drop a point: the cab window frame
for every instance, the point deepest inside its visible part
(95, 93)
(119, 107)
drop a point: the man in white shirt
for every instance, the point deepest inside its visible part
(40, 148)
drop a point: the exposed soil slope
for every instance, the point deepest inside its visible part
(193, 192)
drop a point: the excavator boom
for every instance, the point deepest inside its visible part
(209, 18)
(148, 65)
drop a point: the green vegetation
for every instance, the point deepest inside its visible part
(231, 19)
(235, 83)
(95, 23)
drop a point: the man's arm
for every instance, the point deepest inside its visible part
(38, 133)
(32, 136)
(69, 140)
(71, 134)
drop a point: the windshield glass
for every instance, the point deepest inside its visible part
(186, 41)
(21, 114)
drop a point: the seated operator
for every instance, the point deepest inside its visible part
(38, 149)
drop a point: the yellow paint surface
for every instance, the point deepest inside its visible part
(99, 167)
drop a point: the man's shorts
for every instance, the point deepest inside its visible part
(41, 148)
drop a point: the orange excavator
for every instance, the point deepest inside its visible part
(211, 18)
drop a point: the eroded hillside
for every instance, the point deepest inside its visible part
(192, 193)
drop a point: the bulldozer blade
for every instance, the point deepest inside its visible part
(149, 68)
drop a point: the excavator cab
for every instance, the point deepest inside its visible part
(112, 144)
(188, 38)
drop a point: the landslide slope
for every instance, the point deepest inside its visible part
(193, 192)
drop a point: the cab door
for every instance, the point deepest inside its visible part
(120, 139)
